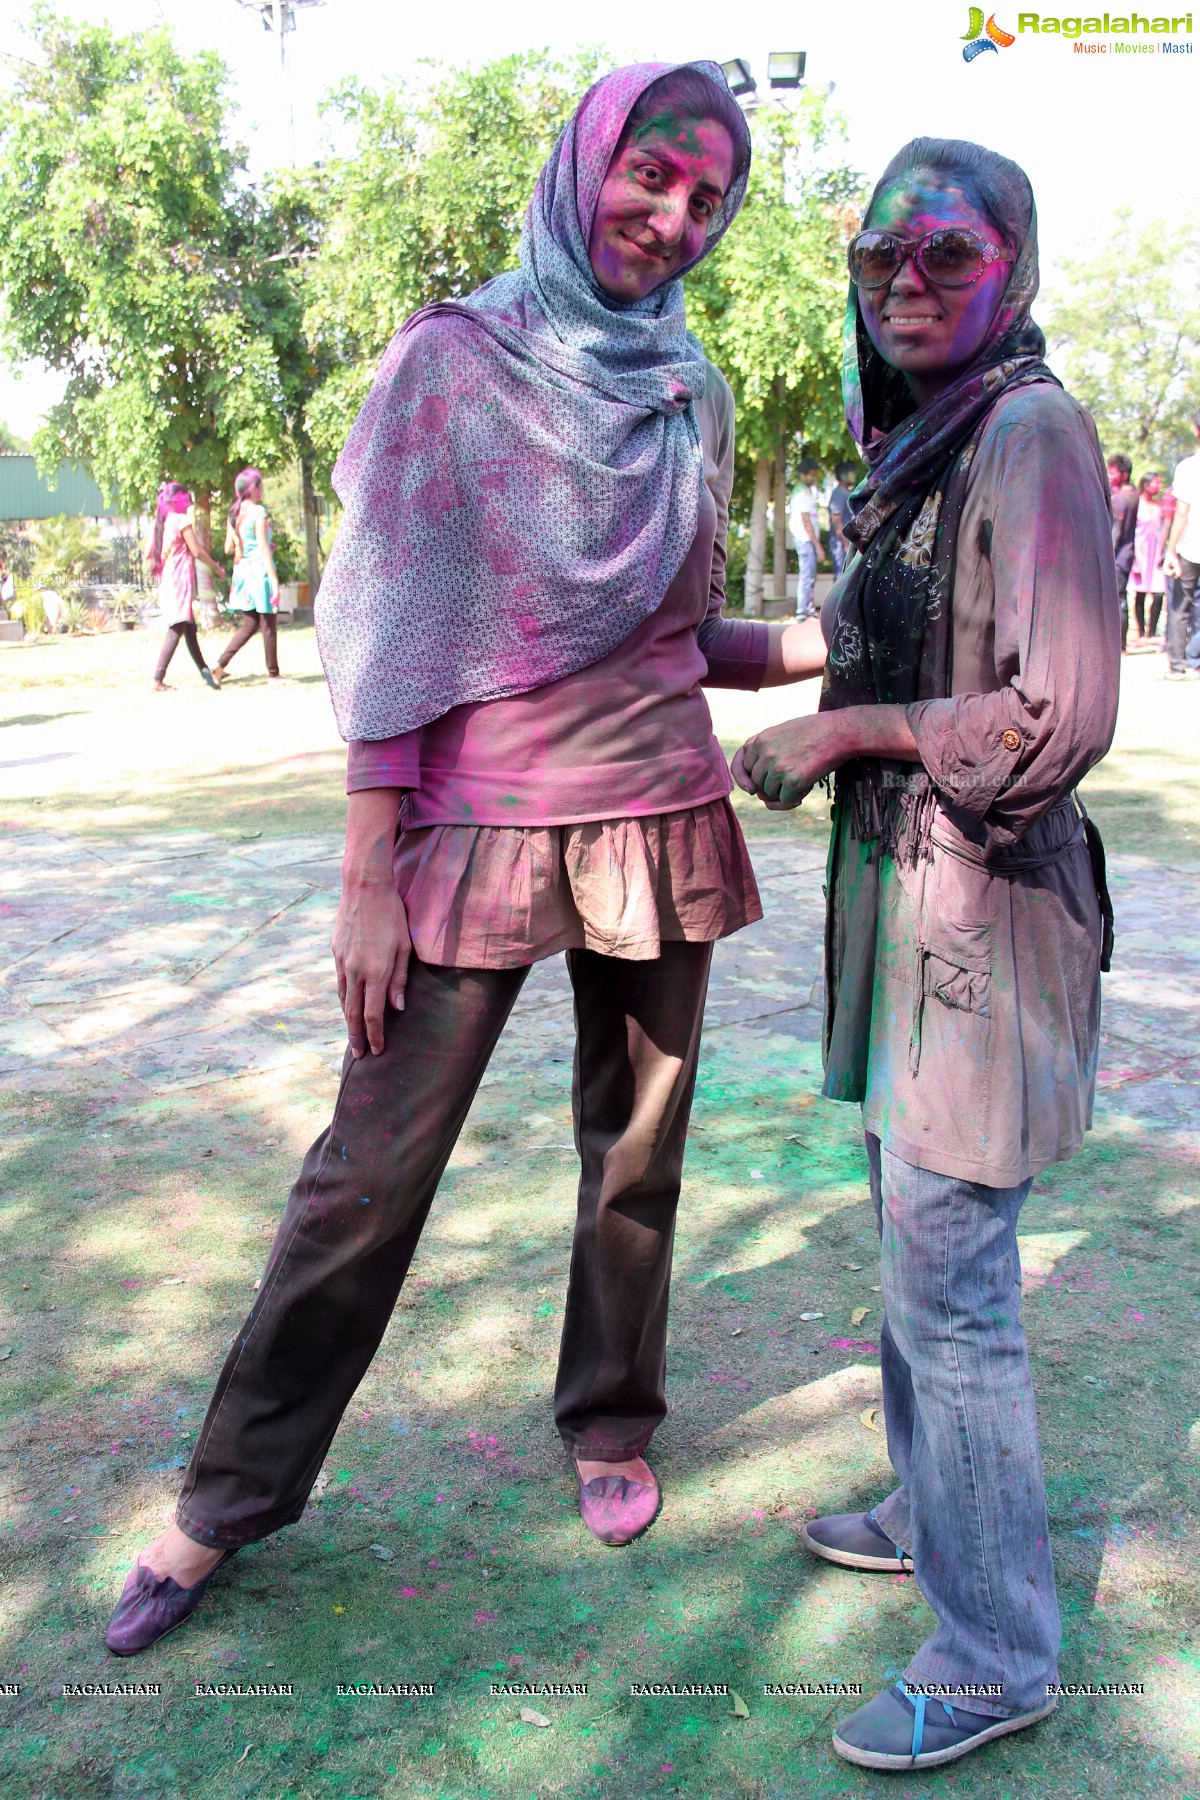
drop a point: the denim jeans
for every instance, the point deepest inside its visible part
(837, 554)
(962, 1433)
(1183, 618)
(807, 578)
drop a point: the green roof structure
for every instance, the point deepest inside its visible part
(24, 494)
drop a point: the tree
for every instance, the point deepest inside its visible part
(1126, 324)
(10, 443)
(768, 307)
(137, 262)
(426, 206)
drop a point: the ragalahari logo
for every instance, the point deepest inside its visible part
(976, 42)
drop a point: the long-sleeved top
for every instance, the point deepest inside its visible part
(627, 737)
(979, 968)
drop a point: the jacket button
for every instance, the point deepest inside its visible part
(1011, 739)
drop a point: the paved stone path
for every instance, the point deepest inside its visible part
(185, 961)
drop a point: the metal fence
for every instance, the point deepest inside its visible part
(125, 566)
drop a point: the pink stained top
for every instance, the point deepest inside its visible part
(628, 736)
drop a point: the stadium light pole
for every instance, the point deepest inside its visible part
(279, 16)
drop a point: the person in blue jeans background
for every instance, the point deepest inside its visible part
(803, 522)
(1181, 565)
(839, 516)
(971, 680)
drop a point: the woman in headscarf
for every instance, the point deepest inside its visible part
(971, 683)
(174, 552)
(522, 602)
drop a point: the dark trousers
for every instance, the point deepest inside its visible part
(355, 1215)
(1183, 615)
(252, 622)
(1139, 613)
(186, 631)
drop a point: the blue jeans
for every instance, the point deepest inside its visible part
(962, 1433)
(837, 554)
(1183, 618)
(807, 578)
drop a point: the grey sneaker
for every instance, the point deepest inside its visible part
(899, 1731)
(855, 1541)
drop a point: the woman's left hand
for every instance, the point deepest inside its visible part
(782, 764)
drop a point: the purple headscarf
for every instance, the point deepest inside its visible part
(522, 484)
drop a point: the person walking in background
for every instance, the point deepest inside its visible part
(1124, 529)
(1182, 564)
(1170, 584)
(174, 552)
(1146, 577)
(971, 682)
(803, 520)
(254, 590)
(839, 513)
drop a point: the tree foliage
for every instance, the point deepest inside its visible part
(203, 322)
(139, 263)
(1125, 328)
(426, 205)
(10, 443)
(768, 304)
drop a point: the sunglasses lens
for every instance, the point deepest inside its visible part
(874, 259)
(952, 258)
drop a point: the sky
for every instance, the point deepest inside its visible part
(1094, 132)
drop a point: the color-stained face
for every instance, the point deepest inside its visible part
(1153, 486)
(1116, 477)
(658, 199)
(930, 333)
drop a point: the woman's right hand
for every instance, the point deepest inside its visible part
(371, 948)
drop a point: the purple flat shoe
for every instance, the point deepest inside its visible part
(150, 1607)
(616, 1510)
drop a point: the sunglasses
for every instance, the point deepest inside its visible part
(950, 257)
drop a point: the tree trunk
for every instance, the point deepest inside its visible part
(781, 499)
(207, 610)
(311, 553)
(757, 558)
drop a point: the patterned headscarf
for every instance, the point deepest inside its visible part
(523, 482)
(890, 640)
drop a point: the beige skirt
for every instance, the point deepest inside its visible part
(501, 896)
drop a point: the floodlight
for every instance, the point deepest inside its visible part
(785, 68)
(737, 74)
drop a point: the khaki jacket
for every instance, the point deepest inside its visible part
(979, 969)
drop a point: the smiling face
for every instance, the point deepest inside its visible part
(930, 333)
(657, 202)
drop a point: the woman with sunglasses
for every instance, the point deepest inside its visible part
(971, 682)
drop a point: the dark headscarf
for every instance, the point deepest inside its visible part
(523, 482)
(891, 638)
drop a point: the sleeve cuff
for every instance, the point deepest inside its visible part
(383, 763)
(968, 767)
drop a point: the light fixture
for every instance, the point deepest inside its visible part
(785, 68)
(737, 74)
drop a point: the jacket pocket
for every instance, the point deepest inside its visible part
(957, 966)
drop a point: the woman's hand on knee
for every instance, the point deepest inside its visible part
(371, 948)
